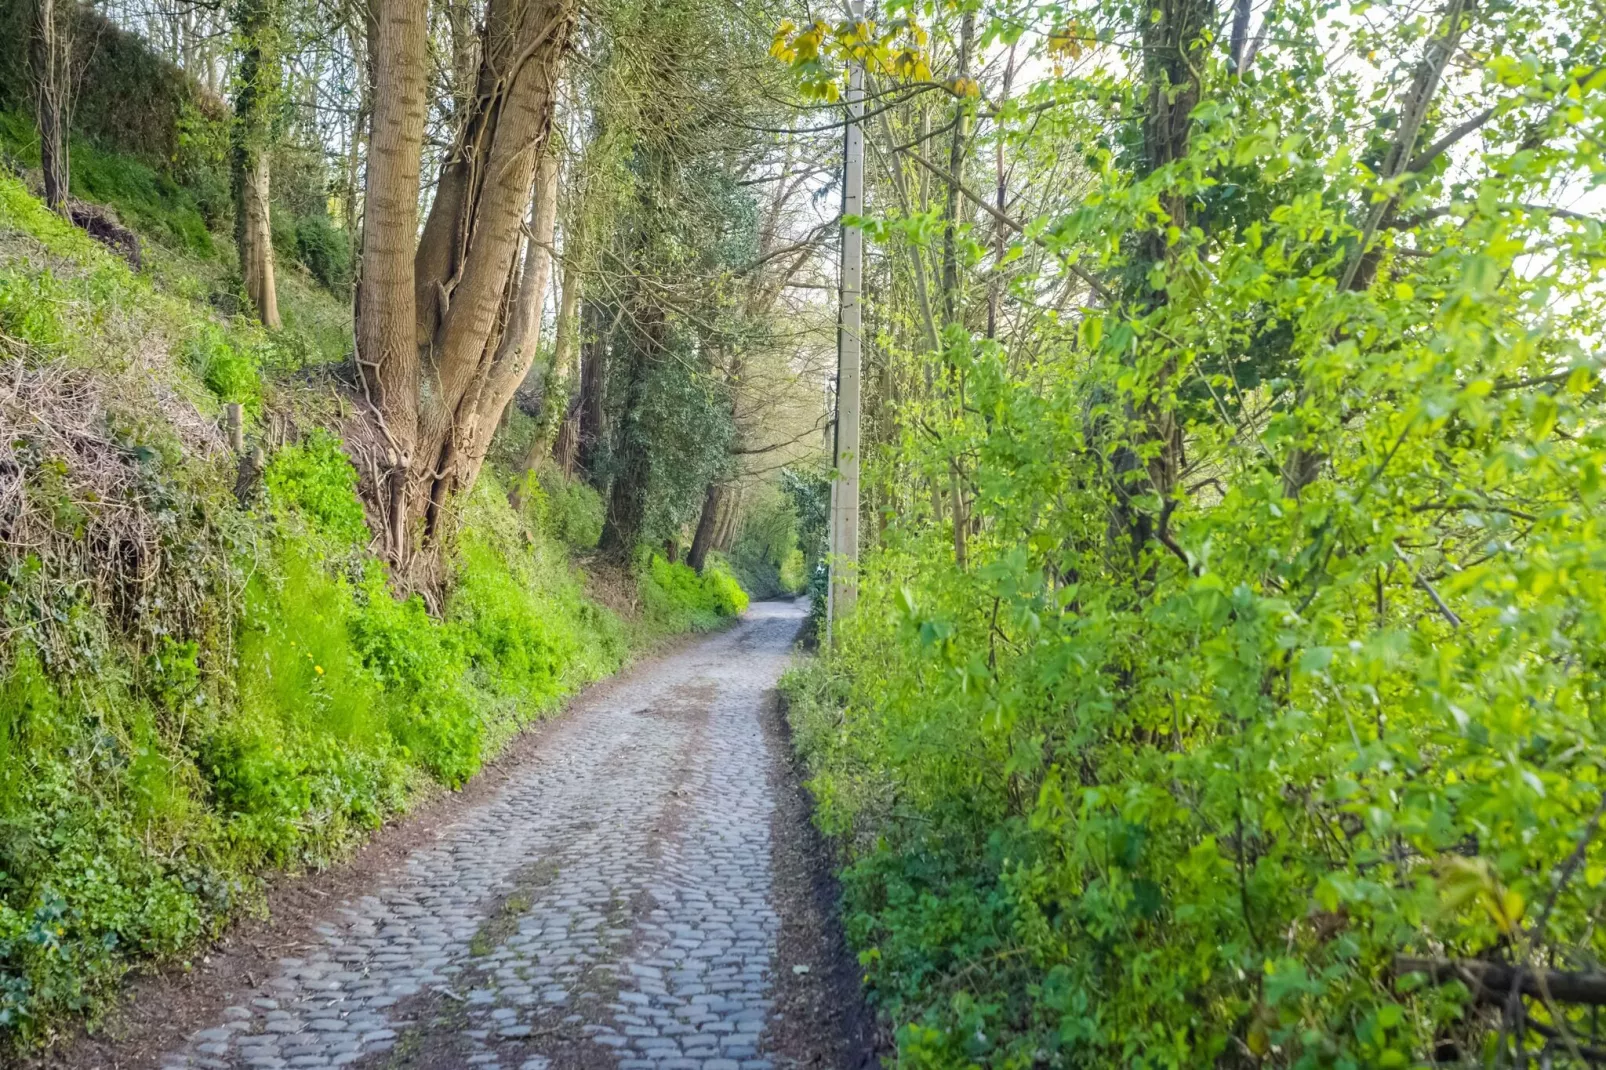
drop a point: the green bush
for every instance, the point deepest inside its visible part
(574, 511)
(316, 480)
(525, 622)
(30, 306)
(677, 596)
(228, 369)
(565, 509)
(87, 876)
(434, 712)
(325, 250)
(507, 634)
(310, 710)
(725, 595)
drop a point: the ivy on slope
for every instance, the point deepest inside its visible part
(193, 692)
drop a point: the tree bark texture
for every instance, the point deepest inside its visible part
(707, 522)
(254, 233)
(643, 341)
(731, 523)
(1172, 33)
(566, 446)
(50, 55)
(515, 354)
(256, 22)
(592, 444)
(434, 315)
(387, 344)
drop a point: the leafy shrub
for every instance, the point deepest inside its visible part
(316, 480)
(506, 633)
(677, 596)
(325, 251)
(574, 512)
(312, 731)
(725, 595)
(80, 888)
(566, 509)
(228, 369)
(420, 662)
(28, 308)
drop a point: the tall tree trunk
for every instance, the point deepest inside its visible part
(254, 234)
(252, 134)
(521, 337)
(50, 54)
(438, 396)
(592, 444)
(470, 241)
(465, 45)
(566, 437)
(707, 521)
(627, 502)
(1173, 33)
(524, 325)
(357, 39)
(732, 521)
(566, 446)
(566, 332)
(554, 377)
(387, 343)
(953, 299)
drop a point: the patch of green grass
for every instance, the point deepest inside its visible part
(144, 198)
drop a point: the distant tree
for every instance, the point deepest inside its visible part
(51, 58)
(256, 101)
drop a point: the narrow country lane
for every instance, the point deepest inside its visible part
(610, 905)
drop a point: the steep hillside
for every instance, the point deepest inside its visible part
(204, 673)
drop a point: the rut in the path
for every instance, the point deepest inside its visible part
(609, 906)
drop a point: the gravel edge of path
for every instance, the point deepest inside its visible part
(821, 1020)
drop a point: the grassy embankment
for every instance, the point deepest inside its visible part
(194, 692)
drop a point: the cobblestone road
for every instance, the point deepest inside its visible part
(610, 906)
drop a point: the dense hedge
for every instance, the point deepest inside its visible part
(129, 100)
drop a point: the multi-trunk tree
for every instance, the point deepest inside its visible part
(433, 306)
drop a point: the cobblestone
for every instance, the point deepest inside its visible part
(614, 892)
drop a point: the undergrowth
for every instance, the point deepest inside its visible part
(192, 691)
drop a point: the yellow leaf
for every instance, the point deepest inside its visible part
(1508, 909)
(1066, 41)
(1259, 1040)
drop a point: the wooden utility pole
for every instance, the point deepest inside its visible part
(844, 590)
